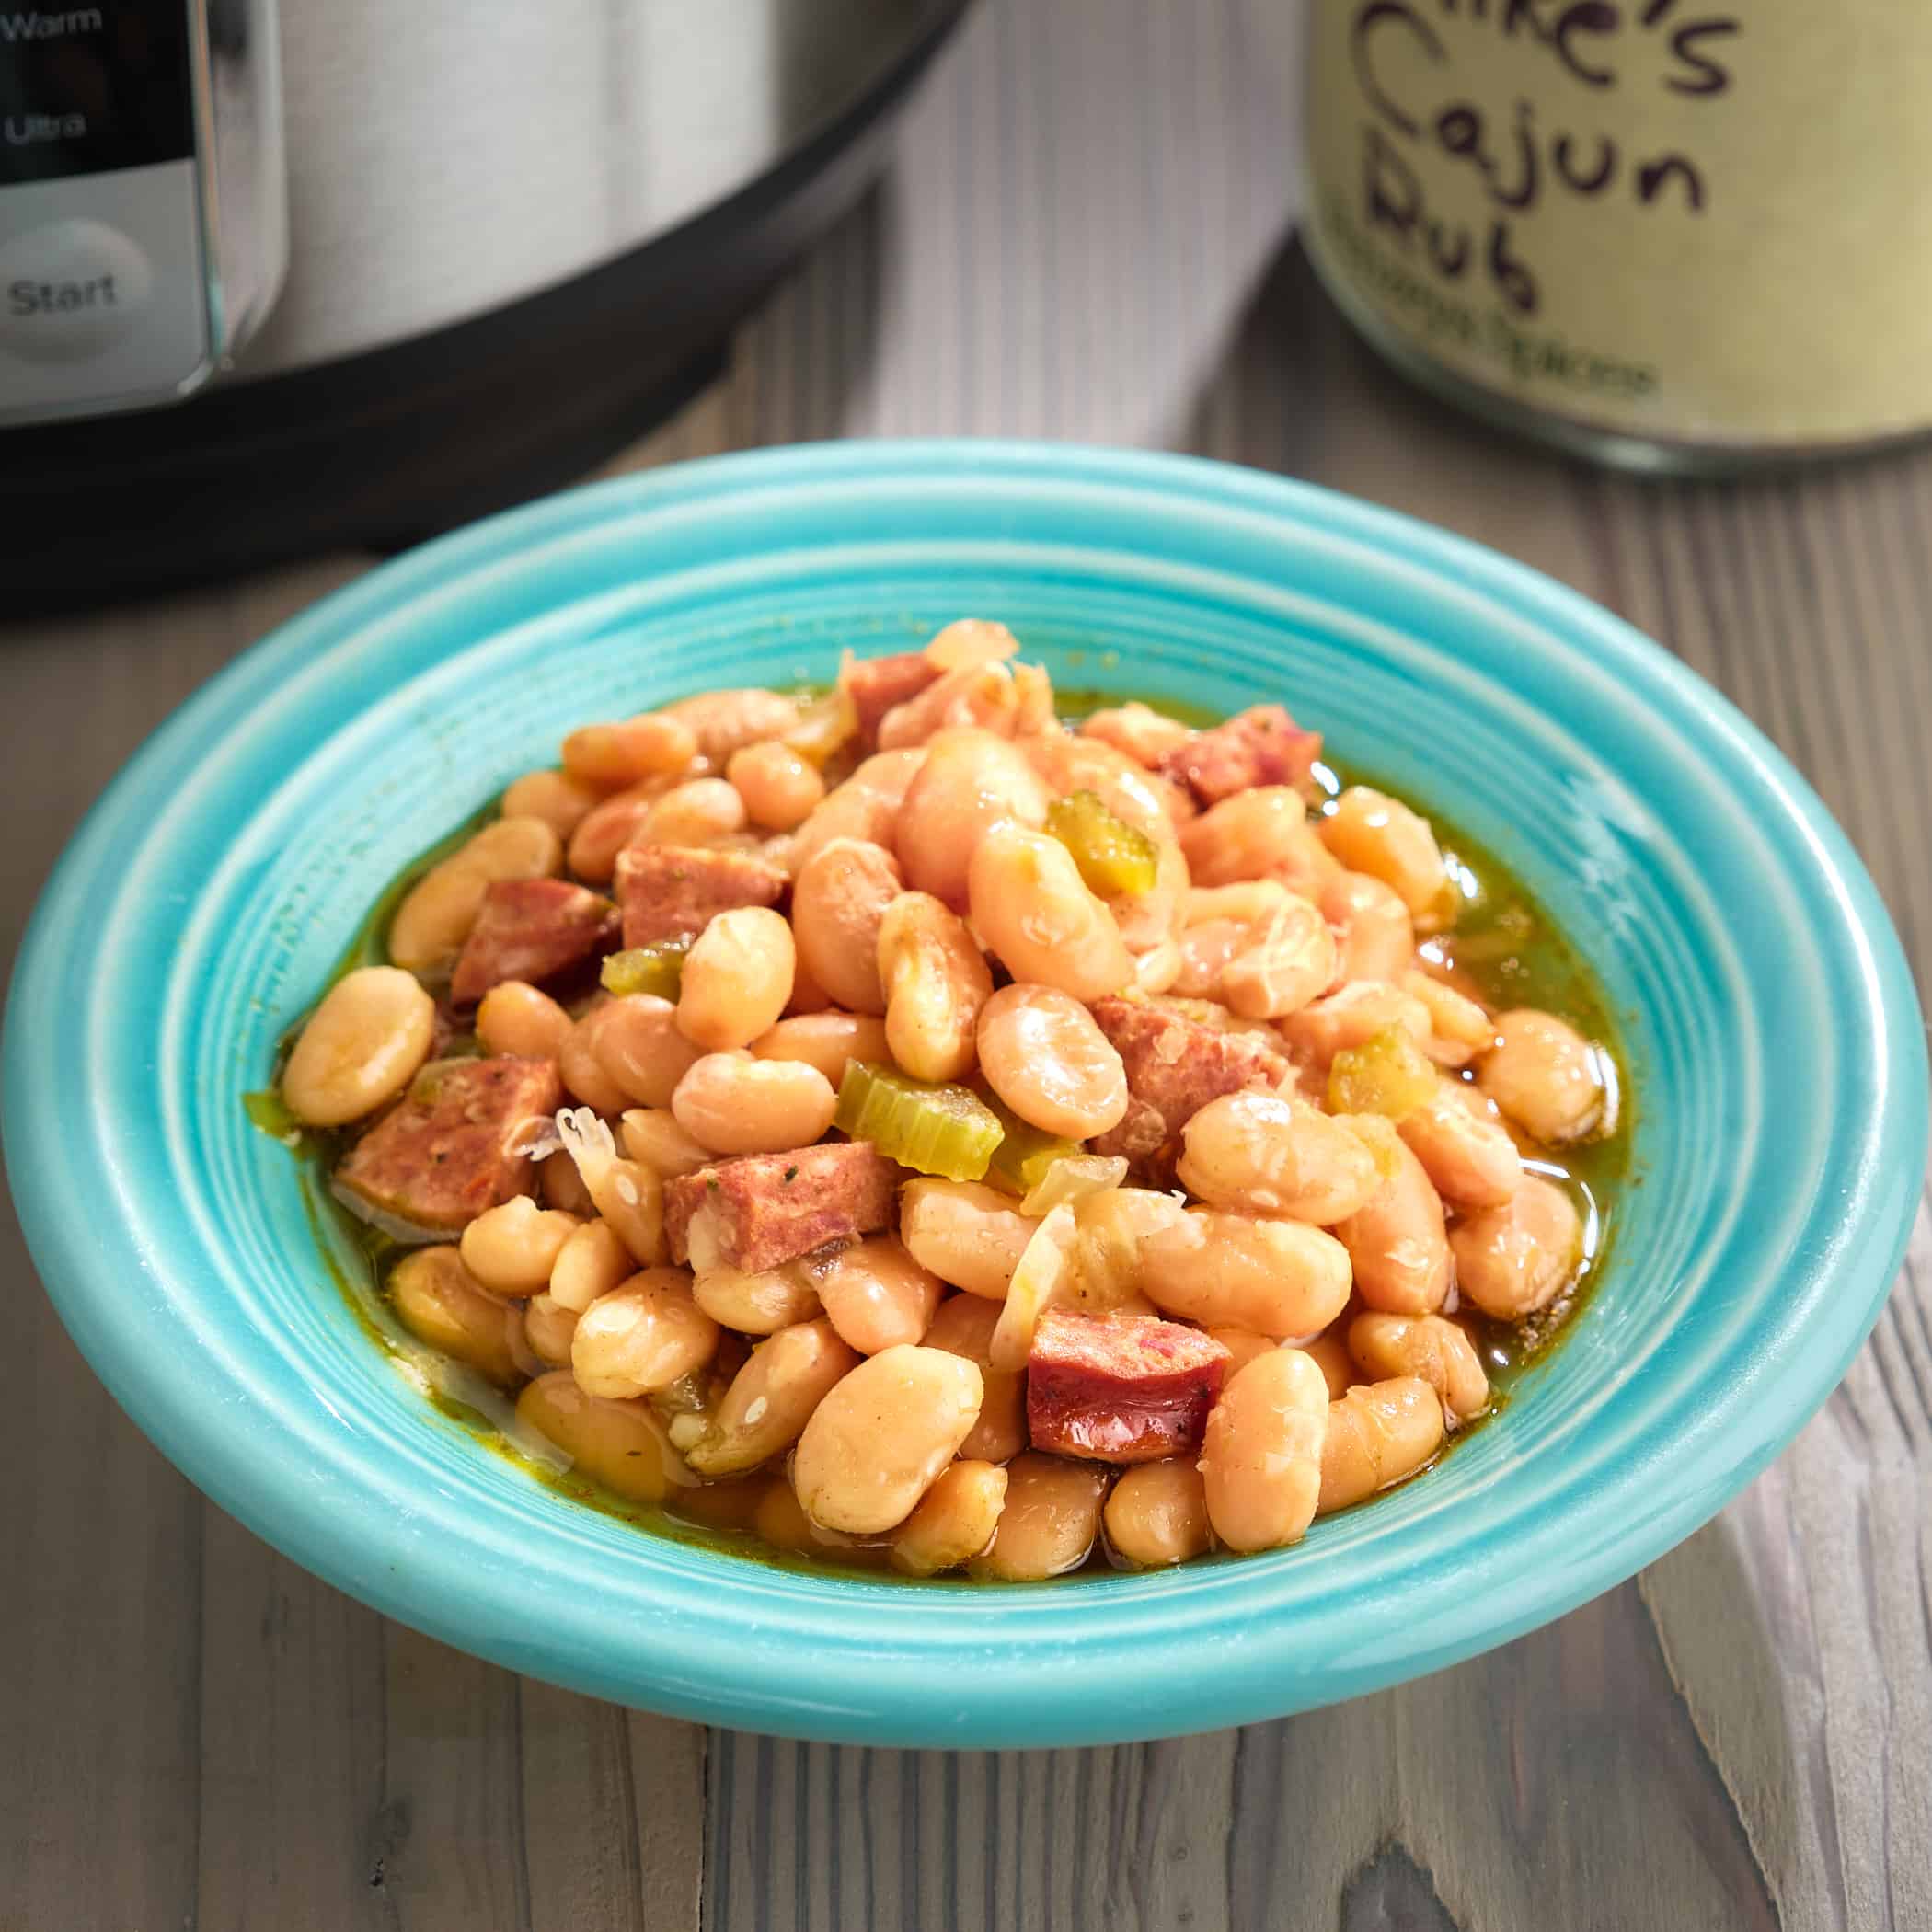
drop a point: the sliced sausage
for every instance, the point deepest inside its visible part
(675, 892)
(1120, 1388)
(535, 930)
(1175, 1066)
(767, 1209)
(1260, 746)
(452, 1146)
(875, 684)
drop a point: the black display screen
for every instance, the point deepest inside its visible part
(84, 89)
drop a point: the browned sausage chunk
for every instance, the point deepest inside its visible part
(675, 892)
(1175, 1066)
(767, 1209)
(533, 929)
(1120, 1388)
(451, 1146)
(1262, 746)
(875, 684)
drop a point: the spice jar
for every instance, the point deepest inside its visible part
(1659, 232)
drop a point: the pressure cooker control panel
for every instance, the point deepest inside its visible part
(141, 228)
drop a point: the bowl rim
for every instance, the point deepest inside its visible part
(1023, 1691)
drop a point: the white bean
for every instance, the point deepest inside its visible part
(361, 1047)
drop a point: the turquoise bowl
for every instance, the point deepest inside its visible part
(1773, 1042)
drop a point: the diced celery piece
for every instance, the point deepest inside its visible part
(658, 970)
(1114, 858)
(1021, 1160)
(945, 1131)
(1387, 1073)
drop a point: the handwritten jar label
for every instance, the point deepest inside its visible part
(1663, 219)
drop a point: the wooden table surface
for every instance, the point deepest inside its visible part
(199, 1735)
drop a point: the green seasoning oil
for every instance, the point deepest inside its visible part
(1679, 235)
(1503, 942)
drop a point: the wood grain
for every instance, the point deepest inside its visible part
(204, 1737)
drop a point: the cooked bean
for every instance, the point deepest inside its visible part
(1514, 1260)
(954, 1522)
(830, 1041)
(1207, 950)
(1042, 1052)
(609, 757)
(877, 1440)
(1044, 1278)
(1261, 834)
(1369, 832)
(1240, 905)
(628, 1195)
(866, 805)
(1243, 1345)
(1387, 1346)
(641, 1336)
(1350, 1016)
(1330, 1352)
(639, 1049)
(734, 1104)
(1263, 1153)
(1031, 907)
(548, 1328)
(936, 981)
(1469, 1157)
(758, 1303)
(877, 1297)
(968, 1235)
(737, 978)
(1377, 937)
(362, 1046)
(1157, 1513)
(701, 812)
(590, 1263)
(780, 1520)
(837, 904)
(1159, 969)
(971, 781)
(652, 1137)
(1396, 1243)
(1146, 735)
(555, 798)
(723, 722)
(1545, 1076)
(581, 1062)
(624, 1446)
(433, 921)
(772, 1398)
(1153, 918)
(780, 788)
(511, 1250)
(607, 828)
(964, 1326)
(1050, 1522)
(522, 1021)
(980, 696)
(561, 1186)
(438, 1301)
(1459, 1027)
(1280, 1278)
(1261, 1459)
(1378, 1432)
(1285, 960)
(969, 640)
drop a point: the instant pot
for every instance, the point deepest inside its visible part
(279, 278)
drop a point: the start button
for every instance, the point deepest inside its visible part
(70, 289)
